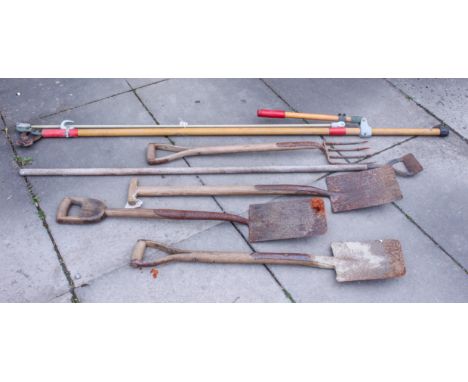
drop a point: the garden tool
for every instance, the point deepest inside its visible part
(340, 121)
(29, 134)
(328, 148)
(347, 192)
(352, 261)
(267, 221)
(411, 164)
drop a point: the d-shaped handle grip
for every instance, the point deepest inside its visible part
(91, 210)
(151, 153)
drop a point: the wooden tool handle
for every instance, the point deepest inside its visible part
(134, 191)
(214, 150)
(280, 189)
(190, 170)
(153, 147)
(290, 189)
(267, 113)
(90, 210)
(176, 255)
(175, 214)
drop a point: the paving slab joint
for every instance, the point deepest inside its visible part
(104, 98)
(272, 274)
(429, 237)
(42, 216)
(407, 96)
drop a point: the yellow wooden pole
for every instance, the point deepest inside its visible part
(253, 131)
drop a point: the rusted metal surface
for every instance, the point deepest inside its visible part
(334, 151)
(352, 261)
(363, 189)
(199, 215)
(287, 220)
(27, 139)
(369, 260)
(411, 164)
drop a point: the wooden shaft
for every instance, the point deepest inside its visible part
(134, 191)
(315, 117)
(255, 130)
(189, 170)
(133, 127)
(260, 147)
(175, 214)
(327, 262)
(396, 131)
(246, 258)
(213, 150)
(132, 213)
(227, 190)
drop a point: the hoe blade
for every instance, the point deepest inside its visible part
(363, 189)
(287, 220)
(368, 260)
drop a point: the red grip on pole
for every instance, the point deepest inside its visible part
(271, 113)
(338, 131)
(59, 133)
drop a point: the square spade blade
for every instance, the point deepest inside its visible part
(287, 220)
(368, 260)
(363, 189)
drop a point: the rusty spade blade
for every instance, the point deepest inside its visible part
(368, 260)
(286, 220)
(363, 189)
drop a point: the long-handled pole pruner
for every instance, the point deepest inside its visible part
(29, 134)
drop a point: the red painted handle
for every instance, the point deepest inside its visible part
(271, 113)
(59, 133)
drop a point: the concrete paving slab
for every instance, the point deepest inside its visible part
(27, 99)
(378, 101)
(97, 255)
(30, 270)
(228, 101)
(447, 98)
(92, 250)
(189, 282)
(63, 299)
(137, 82)
(431, 275)
(437, 198)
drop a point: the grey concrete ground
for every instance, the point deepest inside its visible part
(45, 261)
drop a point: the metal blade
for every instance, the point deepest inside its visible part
(410, 163)
(368, 260)
(287, 220)
(363, 189)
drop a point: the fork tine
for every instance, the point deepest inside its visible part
(348, 156)
(356, 149)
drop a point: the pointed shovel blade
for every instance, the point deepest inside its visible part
(368, 260)
(287, 220)
(363, 189)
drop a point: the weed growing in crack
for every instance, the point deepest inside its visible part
(23, 161)
(41, 214)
